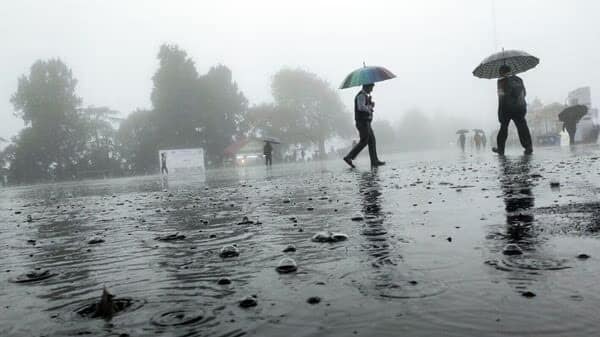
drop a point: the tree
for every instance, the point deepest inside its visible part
(137, 142)
(175, 100)
(101, 155)
(223, 111)
(313, 111)
(47, 102)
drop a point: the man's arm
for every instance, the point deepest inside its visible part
(361, 104)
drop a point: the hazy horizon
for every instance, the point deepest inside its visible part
(432, 46)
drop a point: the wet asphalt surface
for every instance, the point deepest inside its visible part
(431, 244)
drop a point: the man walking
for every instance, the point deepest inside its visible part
(268, 152)
(163, 164)
(363, 115)
(512, 106)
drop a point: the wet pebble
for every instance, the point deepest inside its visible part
(171, 237)
(554, 184)
(248, 301)
(512, 249)
(327, 236)
(287, 265)
(528, 294)
(357, 217)
(246, 221)
(224, 281)
(289, 248)
(95, 241)
(583, 256)
(29, 218)
(229, 251)
(313, 300)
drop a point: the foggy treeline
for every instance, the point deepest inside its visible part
(63, 139)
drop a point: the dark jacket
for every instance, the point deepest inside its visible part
(267, 149)
(511, 95)
(363, 109)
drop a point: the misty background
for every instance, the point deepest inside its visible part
(432, 46)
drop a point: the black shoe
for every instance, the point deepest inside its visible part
(378, 163)
(528, 151)
(498, 151)
(349, 162)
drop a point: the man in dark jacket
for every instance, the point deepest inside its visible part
(363, 115)
(268, 152)
(512, 106)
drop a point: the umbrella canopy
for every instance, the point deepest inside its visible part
(518, 61)
(573, 113)
(461, 131)
(272, 140)
(366, 75)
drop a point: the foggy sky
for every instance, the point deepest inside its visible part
(431, 45)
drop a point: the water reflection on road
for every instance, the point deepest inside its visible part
(426, 259)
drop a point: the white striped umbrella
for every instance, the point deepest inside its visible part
(518, 61)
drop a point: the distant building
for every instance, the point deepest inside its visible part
(545, 126)
(589, 126)
(543, 122)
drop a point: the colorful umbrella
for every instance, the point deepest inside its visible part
(518, 61)
(366, 75)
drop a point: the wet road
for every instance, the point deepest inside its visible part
(424, 254)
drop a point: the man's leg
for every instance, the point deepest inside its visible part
(372, 147)
(502, 135)
(363, 131)
(571, 130)
(523, 130)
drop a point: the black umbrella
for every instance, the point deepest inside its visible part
(272, 140)
(518, 61)
(461, 131)
(573, 114)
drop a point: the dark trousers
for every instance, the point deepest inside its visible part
(367, 137)
(522, 129)
(571, 129)
(268, 160)
(164, 170)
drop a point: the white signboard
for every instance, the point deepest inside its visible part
(182, 162)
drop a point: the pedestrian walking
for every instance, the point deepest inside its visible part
(363, 115)
(504, 66)
(268, 152)
(363, 109)
(163, 163)
(512, 107)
